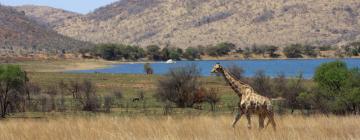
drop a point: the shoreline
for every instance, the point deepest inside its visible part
(63, 65)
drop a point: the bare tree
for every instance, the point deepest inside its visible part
(262, 84)
(87, 97)
(108, 101)
(236, 71)
(179, 86)
(212, 97)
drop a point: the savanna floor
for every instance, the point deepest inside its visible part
(106, 127)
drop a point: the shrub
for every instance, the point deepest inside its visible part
(179, 86)
(153, 52)
(148, 69)
(108, 101)
(296, 86)
(331, 76)
(221, 49)
(325, 48)
(280, 85)
(192, 53)
(271, 51)
(310, 51)
(212, 97)
(293, 51)
(258, 50)
(261, 84)
(171, 53)
(247, 52)
(88, 96)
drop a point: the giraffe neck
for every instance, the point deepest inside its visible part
(235, 83)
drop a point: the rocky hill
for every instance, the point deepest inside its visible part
(22, 35)
(47, 16)
(184, 23)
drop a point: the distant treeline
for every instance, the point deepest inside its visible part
(156, 53)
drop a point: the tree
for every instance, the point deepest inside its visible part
(221, 49)
(293, 51)
(212, 97)
(258, 50)
(107, 51)
(12, 80)
(296, 86)
(331, 76)
(179, 86)
(271, 51)
(153, 52)
(192, 53)
(261, 84)
(247, 52)
(310, 51)
(87, 96)
(280, 85)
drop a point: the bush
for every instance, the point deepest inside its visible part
(221, 49)
(179, 86)
(119, 51)
(212, 97)
(108, 101)
(296, 86)
(331, 76)
(153, 52)
(247, 52)
(171, 53)
(325, 48)
(192, 53)
(338, 88)
(310, 51)
(258, 50)
(148, 69)
(293, 51)
(261, 84)
(271, 51)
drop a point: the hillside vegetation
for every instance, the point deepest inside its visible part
(204, 22)
(20, 35)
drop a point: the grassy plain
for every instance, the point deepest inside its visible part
(178, 128)
(136, 122)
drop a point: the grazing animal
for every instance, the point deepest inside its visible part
(250, 101)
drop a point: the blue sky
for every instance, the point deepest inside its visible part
(79, 6)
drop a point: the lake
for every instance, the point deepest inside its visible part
(289, 67)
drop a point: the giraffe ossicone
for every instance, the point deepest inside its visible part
(250, 101)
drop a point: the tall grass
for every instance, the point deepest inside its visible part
(176, 128)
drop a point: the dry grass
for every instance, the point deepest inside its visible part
(173, 128)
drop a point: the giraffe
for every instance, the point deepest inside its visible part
(250, 101)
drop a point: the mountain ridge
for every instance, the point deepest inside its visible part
(20, 34)
(185, 23)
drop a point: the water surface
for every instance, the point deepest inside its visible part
(289, 67)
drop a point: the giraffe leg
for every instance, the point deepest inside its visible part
(248, 117)
(261, 121)
(271, 120)
(237, 118)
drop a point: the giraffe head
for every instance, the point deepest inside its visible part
(217, 68)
